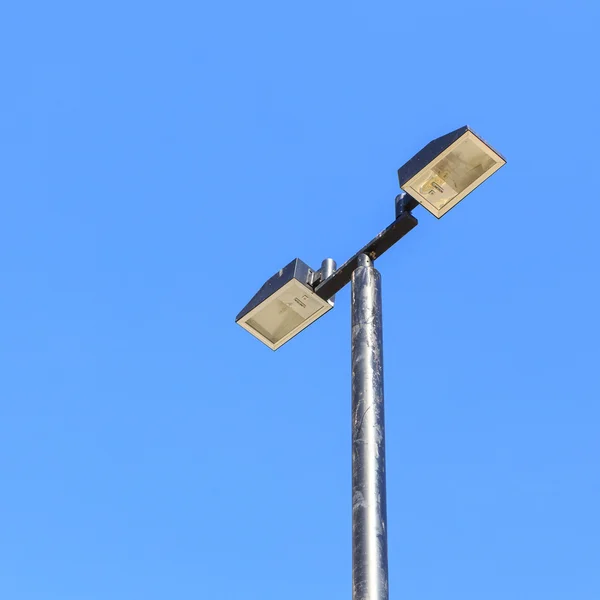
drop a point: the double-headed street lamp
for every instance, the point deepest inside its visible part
(438, 177)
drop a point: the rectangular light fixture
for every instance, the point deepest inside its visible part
(448, 169)
(285, 305)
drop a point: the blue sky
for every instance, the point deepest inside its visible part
(160, 161)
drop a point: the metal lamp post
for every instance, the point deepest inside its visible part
(369, 515)
(437, 177)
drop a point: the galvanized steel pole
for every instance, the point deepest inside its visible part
(369, 514)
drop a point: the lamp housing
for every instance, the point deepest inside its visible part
(449, 168)
(284, 306)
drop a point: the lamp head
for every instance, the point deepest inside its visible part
(448, 169)
(284, 306)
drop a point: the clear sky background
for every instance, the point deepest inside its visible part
(159, 162)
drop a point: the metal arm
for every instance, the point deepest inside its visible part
(374, 249)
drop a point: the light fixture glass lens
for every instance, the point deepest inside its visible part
(453, 173)
(284, 313)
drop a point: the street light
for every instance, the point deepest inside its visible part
(438, 177)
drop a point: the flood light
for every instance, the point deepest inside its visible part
(447, 169)
(285, 305)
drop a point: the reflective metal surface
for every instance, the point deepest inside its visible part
(369, 515)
